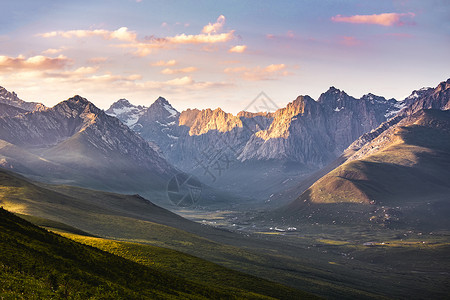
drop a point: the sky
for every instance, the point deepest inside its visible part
(209, 54)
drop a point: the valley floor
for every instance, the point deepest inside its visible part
(344, 261)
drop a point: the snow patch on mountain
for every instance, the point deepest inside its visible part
(170, 109)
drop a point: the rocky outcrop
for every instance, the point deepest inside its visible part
(208, 120)
(10, 111)
(426, 98)
(315, 133)
(11, 98)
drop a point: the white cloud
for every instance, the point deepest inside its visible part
(169, 71)
(259, 73)
(215, 27)
(238, 49)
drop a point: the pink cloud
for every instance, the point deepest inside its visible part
(238, 49)
(97, 60)
(260, 73)
(143, 47)
(214, 28)
(349, 41)
(53, 50)
(387, 19)
(399, 35)
(163, 63)
(169, 71)
(38, 62)
(121, 34)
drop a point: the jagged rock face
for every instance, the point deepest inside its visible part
(188, 117)
(348, 118)
(126, 112)
(437, 98)
(248, 115)
(204, 135)
(10, 111)
(283, 118)
(44, 128)
(158, 124)
(313, 132)
(298, 133)
(426, 98)
(207, 120)
(12, 99)
(306, 131)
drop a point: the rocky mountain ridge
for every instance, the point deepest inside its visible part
(11, 98)
(76, 141)
(305, 131)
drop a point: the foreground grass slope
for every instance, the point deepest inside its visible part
(35, 263)
(128, 218)
(190, 267)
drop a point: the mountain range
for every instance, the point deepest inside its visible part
(402, 166)
(75, 142)
(337, 173)
(269, 149)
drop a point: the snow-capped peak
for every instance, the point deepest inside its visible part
(126, 112)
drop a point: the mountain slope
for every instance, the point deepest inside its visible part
(408, 174)
(316, 132)
(48, 265)
(86, 146)
(10, 111)
(134, 219)
(159, 124)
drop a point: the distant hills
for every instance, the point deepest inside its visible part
(74, 142)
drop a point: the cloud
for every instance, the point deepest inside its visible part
(168, 63)
(121, 34)
(180, 84)
(387, 19)
(200, 38)
(143, 47)
(349, 41)
(269, 72)
(169, 71)
(53, 50)
(238, 49)
(97, 60)
(213, 28)
(76, 74)
(38, 62)
(399, 35)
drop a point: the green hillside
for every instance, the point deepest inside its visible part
(134, 219)
(35, 263)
